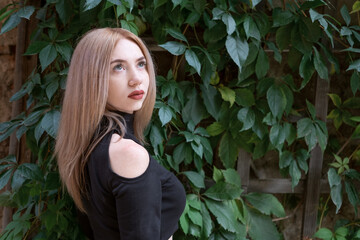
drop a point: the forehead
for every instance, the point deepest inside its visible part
(126, 50)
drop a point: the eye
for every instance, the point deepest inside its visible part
(118, 67)
(142, 64)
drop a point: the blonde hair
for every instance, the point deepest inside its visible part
(85, 105)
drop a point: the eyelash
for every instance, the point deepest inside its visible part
(141, 64)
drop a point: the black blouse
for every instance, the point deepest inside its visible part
(145, 207)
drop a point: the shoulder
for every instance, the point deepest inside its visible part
(127, 158)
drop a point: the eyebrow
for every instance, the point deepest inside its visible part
(121, 60)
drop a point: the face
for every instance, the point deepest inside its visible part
(129, 79)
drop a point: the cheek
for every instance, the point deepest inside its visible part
(146, 81)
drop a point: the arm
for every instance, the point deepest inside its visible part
(138, 197)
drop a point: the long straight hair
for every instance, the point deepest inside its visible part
(85, 105)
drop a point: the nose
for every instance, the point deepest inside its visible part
(134, 77)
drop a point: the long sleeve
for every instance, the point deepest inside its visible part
(138, 206)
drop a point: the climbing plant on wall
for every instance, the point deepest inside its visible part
(218, 96)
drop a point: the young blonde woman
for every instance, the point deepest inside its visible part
(109, 99)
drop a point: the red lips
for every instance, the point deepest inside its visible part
(136, 95)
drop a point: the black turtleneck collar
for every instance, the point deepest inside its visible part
(129, 120)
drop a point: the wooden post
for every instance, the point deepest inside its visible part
(243, 168)
(315, 166)
(16, 105)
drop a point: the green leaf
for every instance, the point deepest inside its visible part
(20, 132)
(175, 48)
(179, 153)
(304, 127)
(345, 14)
(312, 4)
(193, 60)
(355, 7)
(341, 231)
(357, 235)
(26, 171)
(315, 15)
(35, 47)
(238, 49)
(64, 9)
(323, 233)
(261, 227)
(115, 2)
(251, 29)
(311, 109)
(227, 94)
(335, 99)
(89, 4)
(155, 137)
(336, 189)
(247, 117)
(176, 34)
(4, 13)
(207, 222)
(195, 178)
(50, 219)
(200, 6)
(165, 114)
(283, 36)
(266, 203)
(229, 22)
(194, 109)
(256, 2)
(22, 92)
(276, 99)
(286, 158)
(354, 65)
(321, 134)
(212, 100)
(47, 56)
(352, 194)
(184, 220)
(196, 217)
(290, 132)
(4, 178)
(355, 82)
(192, 18)
(52, 88)
(320, 66)
(244, 97)
(65, 50)
(217, 13)
(26, 12)
(223, 191)
(277, 136)
(301, 156)
(217, 174)
(215, 128)
(306, 70)
(281, 17)
(277, 54)
(228, 150)
(158, 3)
(295, 174)
(262, 64)
(50, 122)
(10, 23)
(198, 149)
(224, 215)
(232, 176)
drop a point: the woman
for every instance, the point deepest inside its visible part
(109, 99)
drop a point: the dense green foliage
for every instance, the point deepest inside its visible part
(220, 95)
